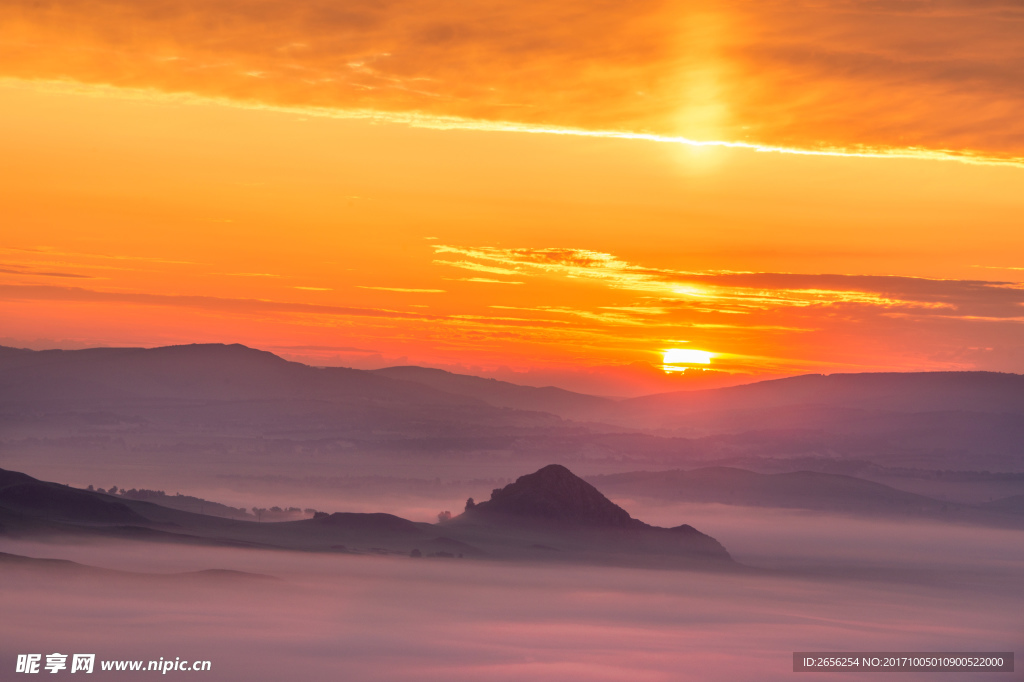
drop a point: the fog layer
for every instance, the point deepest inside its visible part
(887, 587)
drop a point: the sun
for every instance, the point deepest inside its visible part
(687, 356)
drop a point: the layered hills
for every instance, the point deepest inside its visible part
(808, 490)
(551, 515)
(218, 411)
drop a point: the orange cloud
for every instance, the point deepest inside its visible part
(402, 290)
(577, 306)
(746, 292)
(16, 292)
(917, 77)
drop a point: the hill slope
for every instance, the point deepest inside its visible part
(574, 535)
(502, 393)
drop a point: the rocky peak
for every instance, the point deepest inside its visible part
(554, 494)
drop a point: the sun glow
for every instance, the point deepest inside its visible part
(687, 356)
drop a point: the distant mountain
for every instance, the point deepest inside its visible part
(810, 490)
(219, 410)
(905, 392)
(502, 393)
(205, 372)
(922, 420)
(213, 391)
(23, 494)
(1013, 504)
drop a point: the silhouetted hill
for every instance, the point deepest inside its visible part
(992, 392)
(370, 523)
(502, 393)
(554, 494)
(195, 504)
(924, 420)
(213, 391)
(554, 509)
(217, 410)
(1010, 505)
(193, 372)
(23, 494)
(574, 519)
(800, 490)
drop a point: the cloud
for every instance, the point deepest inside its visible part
(247, 274)
(36, 273)
(402, 290)
(477, 267)
(484, 280)
(51, 252)
(745, 292)
(15, 292)
(588, 304)
(760, 322)
(918, 77)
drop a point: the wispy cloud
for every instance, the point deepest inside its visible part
(918, 78)
(998, 267)
(588, 304)
(470, 265)
(52, 252)
(13, 292)
(247, 274)
(748, 292)
(37, 273)
(403, 290)
(482, 280)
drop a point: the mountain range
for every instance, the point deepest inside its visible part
(212, 411)
(550, 515)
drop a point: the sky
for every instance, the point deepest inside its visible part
(545, 194)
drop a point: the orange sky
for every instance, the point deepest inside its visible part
(384, 184)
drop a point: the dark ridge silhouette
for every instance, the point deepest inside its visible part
(60, 564)
(996, 392)
(370, 523)
(553, 506)
(213, 407)
(8, 478)
(502, 393)
(554, 494)
(52, 501)
(836, 493)
(1013, 504)
(204, 392)
(796, 490)
(191, 503)
(550, 508)
(210, 371)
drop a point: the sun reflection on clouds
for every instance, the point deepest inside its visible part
(802, 77)
(676, 359)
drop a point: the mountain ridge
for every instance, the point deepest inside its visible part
(220, 360)
(33, 508)
(553, 494)
(201, 405)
